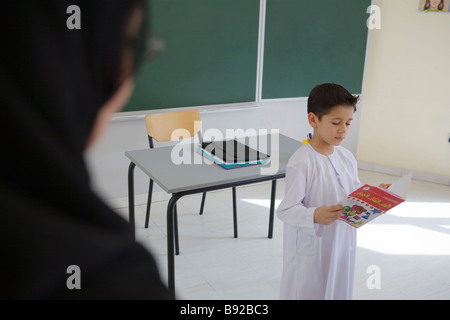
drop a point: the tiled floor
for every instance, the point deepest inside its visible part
(408, 249)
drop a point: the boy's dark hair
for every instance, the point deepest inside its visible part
(324, 97)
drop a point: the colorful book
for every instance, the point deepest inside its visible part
(368, 203)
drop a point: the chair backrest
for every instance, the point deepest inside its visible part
(173, 125)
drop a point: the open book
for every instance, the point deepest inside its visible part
(369, 202)
(231, 154)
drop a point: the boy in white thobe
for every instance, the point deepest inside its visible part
(318, 251)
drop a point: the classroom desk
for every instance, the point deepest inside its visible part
(200, 176)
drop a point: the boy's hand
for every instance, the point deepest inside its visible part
(384, 186)
(327, 215)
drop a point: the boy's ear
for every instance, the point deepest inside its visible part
(313, 120)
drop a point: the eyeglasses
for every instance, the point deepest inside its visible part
(147, 46)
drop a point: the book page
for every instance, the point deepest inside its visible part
(401, 186)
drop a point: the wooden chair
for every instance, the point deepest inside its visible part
(161, 127)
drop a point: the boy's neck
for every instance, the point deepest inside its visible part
(321, 146)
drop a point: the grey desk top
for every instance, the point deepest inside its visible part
(197, 172)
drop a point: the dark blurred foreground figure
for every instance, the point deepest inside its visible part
(59, 86)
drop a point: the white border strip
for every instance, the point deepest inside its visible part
(284, 99)
(261, 38)
(136, 115)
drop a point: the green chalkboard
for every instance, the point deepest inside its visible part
(211, 51)
(310, 42)
(210, 55)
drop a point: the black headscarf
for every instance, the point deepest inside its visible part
(53, 81)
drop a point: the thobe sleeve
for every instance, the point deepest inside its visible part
(356, 183)
(292, 210)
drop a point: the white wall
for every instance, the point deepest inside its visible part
(406, 110)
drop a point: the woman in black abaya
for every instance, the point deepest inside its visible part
(58, 88)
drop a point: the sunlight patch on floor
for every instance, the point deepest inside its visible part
(403, 240)
(408, 238)
(431, 210)
(262, 202)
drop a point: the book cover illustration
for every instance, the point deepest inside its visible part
(367, 203)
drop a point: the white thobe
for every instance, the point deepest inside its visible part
(318, 260)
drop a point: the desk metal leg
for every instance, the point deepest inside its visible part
(131, 200)
(171, 207)
(175, 228)
(235, 213)
(202, 206)
(272, 207)
(149, 203)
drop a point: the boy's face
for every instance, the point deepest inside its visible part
(333, 127)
